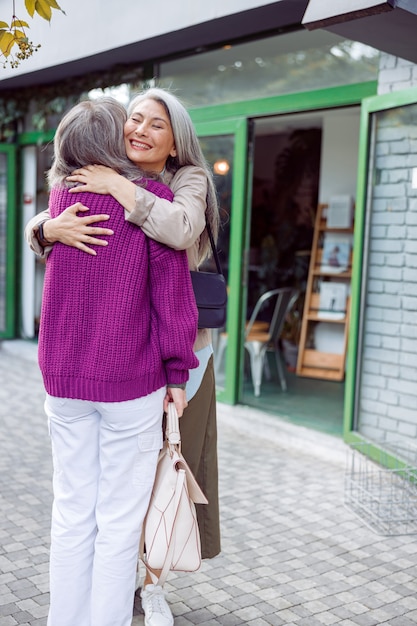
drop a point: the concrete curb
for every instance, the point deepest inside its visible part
(274, 429)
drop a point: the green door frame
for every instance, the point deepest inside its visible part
(369, 107)
(29, 138)
(331, 97)
(237, 293)
(233, 118)
(11, 245)
(36, 138)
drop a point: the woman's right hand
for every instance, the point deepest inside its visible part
(70, 229)
(178, 397)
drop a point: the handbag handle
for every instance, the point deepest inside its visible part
(214, 249)
(172, 430)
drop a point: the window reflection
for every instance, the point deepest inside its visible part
(298, 61)
(218, 151)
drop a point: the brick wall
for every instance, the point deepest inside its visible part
(388, 387)
(395, 74)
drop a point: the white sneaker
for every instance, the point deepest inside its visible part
(155, 607)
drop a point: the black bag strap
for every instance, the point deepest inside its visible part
(213, 247)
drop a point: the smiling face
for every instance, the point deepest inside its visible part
(148, 135)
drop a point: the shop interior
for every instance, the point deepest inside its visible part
(299, 161)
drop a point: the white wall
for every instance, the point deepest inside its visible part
(339, 149)
(395, 74)
(339, 155)
(92, 26)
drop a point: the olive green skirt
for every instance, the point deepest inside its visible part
(198, 427)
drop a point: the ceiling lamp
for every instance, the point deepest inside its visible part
(221, 167)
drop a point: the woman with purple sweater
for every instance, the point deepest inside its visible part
(115, 346)
(160, 139)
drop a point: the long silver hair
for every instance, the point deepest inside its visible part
(188, 152)
(91, 132)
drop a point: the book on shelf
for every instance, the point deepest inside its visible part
(336, 251)
(340, 212)
(333, 298)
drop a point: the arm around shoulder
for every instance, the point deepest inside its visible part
(177, 224)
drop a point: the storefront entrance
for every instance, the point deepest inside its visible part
(293, 161)
(286, 184)
(274, 161)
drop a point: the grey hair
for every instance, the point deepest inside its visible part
(91, 132)
(188, 152)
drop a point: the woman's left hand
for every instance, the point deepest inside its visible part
(93, 178)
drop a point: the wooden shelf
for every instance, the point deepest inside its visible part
(316, 317)
(318, 272)
(313, 312)
(311, 362)
(323, 227)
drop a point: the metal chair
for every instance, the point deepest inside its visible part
(259, 339)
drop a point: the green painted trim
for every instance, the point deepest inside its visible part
(30, 138)
(344, 95)
(11, 230)
(381, 456)
(353, 437)
(235, 328)
(357, 266)
(245, 255)
(390, 100)
(211, 128)
(237, 128)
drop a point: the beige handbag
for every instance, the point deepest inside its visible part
(170, 536)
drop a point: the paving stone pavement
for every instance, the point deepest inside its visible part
(291, 552)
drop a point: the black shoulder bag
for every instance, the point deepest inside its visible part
(210, 292)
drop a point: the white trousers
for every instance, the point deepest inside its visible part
(104, 457)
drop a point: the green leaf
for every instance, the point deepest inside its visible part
(43, 9)
(54, 4)
(4, 32)
(6, 43)
(18, 24)
(30, 6)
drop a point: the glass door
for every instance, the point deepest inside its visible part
(224, 144)
(381, 396)
(7, 240)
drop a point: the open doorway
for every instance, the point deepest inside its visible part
(299, 161)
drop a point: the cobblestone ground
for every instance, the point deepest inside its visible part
(292, 553)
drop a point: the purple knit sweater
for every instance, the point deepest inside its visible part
(121, 324)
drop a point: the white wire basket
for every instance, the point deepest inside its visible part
(381, 486)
